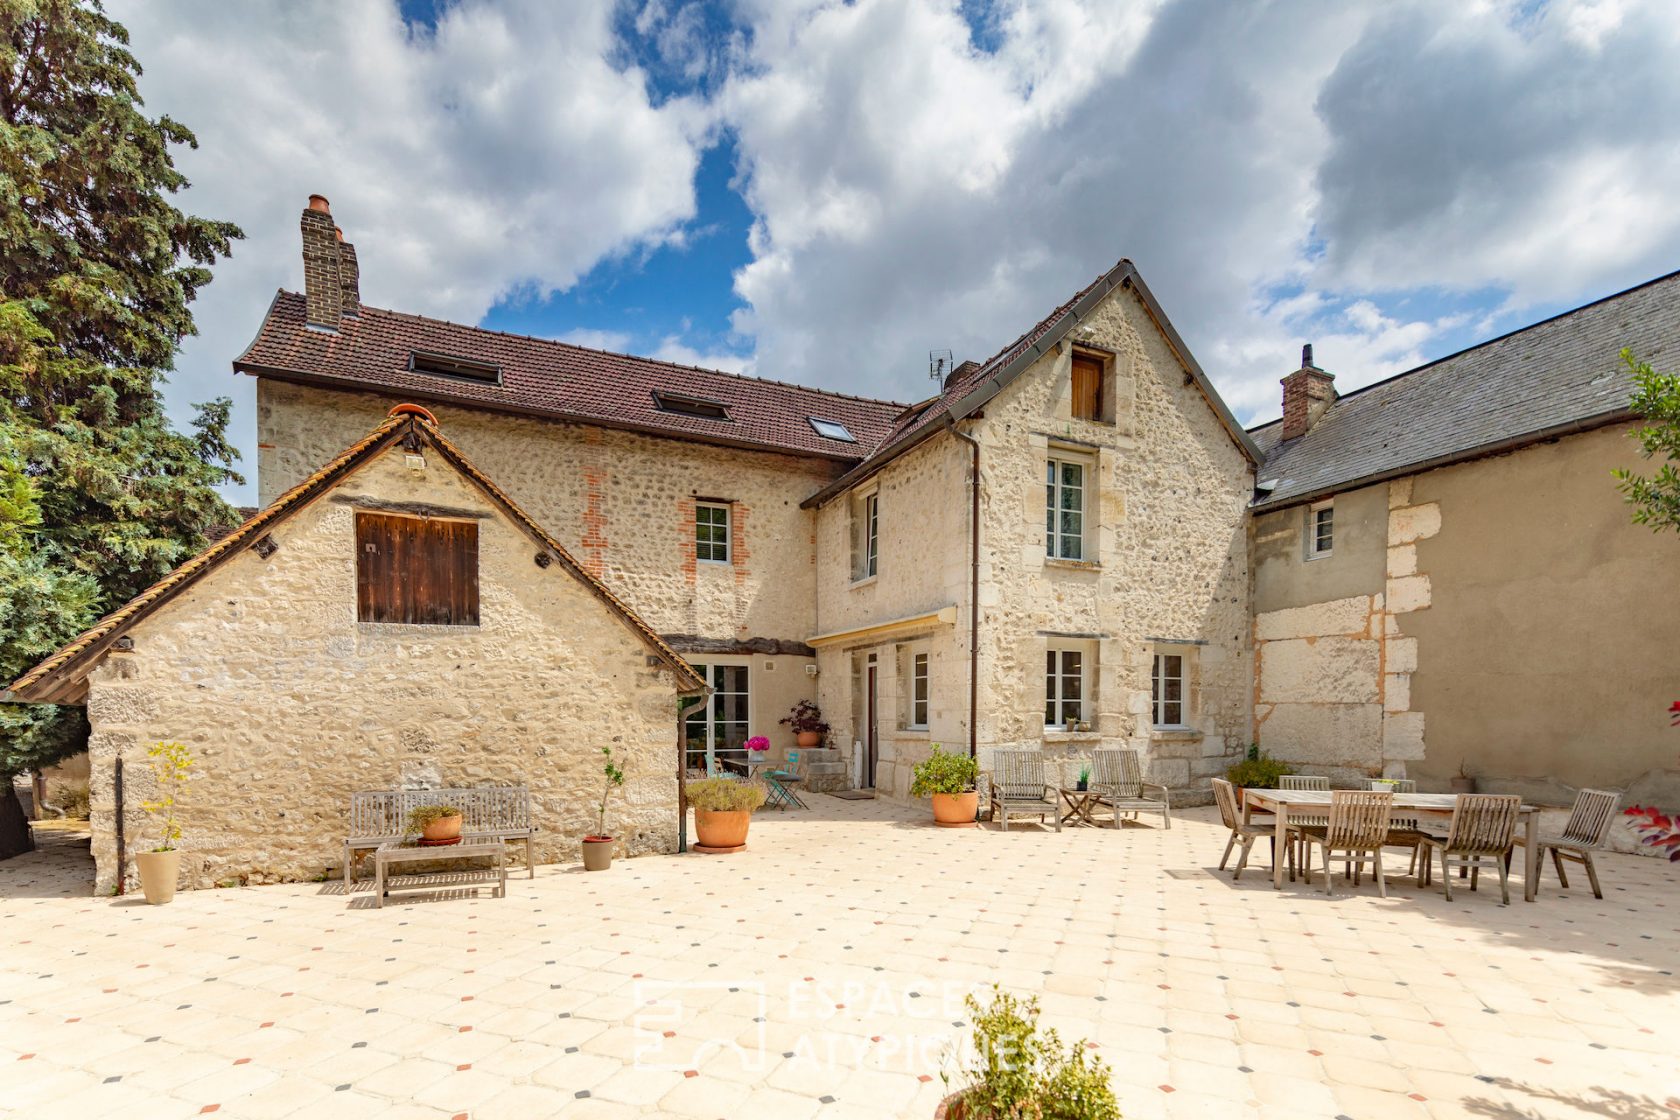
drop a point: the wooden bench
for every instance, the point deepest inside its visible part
(380, 816)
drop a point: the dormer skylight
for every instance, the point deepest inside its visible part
(442, 365)
(831, 429)
(683, 404)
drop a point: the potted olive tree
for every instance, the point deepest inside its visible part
(160, 868)
(723, 809)
(597, 849)
(807, 723)
(949, 780)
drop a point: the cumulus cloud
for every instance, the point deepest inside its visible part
(503, 150)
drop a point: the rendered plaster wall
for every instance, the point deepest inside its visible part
(289, 704)
(623, 504)
(1167, 560)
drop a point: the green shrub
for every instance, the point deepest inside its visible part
(1025, 1073)
(725, 795)
(1258, 771)
(944, 773)
(423, 815)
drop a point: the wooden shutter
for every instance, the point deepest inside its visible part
(416, 570)
(1087, 387)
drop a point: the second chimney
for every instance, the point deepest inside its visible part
(323, 291)
(1306, 394)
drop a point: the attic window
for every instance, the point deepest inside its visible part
(703, 407)
(441, 365)
(831, 429)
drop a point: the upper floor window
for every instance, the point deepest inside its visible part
(919, 691)
(866, 537)
(711, 532)
(1065, 680)
(1087, 386)
(1321, 529)
(1168, 689)
(416, 570)
(1064, 509)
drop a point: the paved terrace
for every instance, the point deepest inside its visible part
(819, 974)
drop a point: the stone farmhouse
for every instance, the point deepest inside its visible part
(1072, 544)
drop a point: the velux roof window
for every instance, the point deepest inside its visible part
(441, 365)
(831, 429)
(703, 407)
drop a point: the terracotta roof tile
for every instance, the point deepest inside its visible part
(558, 380)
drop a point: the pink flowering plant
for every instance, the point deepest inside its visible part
(758, 743)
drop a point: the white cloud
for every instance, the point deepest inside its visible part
(504, 152)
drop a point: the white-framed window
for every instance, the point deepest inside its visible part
(1064, 507)
(711, 532)
(866, 537)
(1067, 678)
(1321, 528)
(918, 690)
(719, 730)
(1169, 688)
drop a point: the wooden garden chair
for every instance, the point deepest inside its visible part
(1225, 795)
(1306, 781)
(1356, 832)
(1018, 786)
(1117, 781)
(1480, 833)
(1403, 831)
(1588, 825)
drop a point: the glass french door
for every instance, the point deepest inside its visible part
(718, 731)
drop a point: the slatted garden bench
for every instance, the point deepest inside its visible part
(380, 816)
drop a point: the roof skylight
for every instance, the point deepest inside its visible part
(703, 407)
(831, 429)
(442, 365)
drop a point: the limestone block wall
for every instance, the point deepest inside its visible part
(290, 704)
(1332, 682)
(1167, 561)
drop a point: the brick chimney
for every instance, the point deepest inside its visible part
(1306, 394)
(331, 279)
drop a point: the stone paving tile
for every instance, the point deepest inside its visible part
(820, 973)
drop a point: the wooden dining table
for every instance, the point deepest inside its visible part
(1433, 806)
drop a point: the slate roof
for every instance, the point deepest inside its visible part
(1557, 375)
(558, 381)
(54, 680)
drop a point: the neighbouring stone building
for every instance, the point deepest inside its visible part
(266, 655)
(1071, 545)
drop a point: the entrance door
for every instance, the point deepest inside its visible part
(719, 730)
(872, 742)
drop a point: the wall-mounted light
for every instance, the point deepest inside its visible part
(811, 670)
(415, 461)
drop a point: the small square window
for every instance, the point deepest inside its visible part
(711, 533)
(1321, 529)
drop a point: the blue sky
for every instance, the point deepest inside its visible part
(824, 192)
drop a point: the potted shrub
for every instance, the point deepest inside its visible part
(597, 849)
(723, 808)
(1258, 771)
(807, 723)
(436, 824)
(1084, 778)
(160, 868)
(1020, 1072)
(949, 780)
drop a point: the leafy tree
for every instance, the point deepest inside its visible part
(99, 496)
(1655, 499)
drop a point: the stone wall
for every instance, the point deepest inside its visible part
(289, 704)
(1168, 561)
(623, 503)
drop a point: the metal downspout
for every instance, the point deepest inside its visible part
(973, 593)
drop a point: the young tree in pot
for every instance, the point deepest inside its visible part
(723, 809)
(597, 849)
(949, 780)
(807, 723)
(160, 868)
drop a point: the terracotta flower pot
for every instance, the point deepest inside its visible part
(722, 829)
(597, 853)
(810, 738)
(444, 828)
(160, 873)
(955, 810)
(952, 1107)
